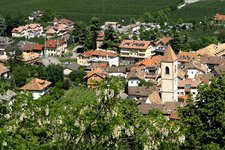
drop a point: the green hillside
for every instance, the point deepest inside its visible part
(111, 10)
(199, 10)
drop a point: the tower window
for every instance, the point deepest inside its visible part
(167, 70)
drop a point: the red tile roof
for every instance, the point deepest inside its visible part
(64, 21)
(28, 26)
(186, 56)
(54, 43)
(192, 82)
(152, 61)
(36, 85)
(98, 72)
(169, 55)
(135, 44)
(101, 36)
(219, 17)
(164, 40)
(38, 47)
(3, 68)
(174, 115)
(30, 56)
(99, 53)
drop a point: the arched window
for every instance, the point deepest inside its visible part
(167, 70)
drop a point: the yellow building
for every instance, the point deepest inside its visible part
(136, 49)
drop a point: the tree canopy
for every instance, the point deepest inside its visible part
(83, 119)
(203, 120)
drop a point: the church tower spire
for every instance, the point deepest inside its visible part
(169, 73)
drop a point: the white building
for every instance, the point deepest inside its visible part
(28, 31)
(36, 87)
(135, 76)
(98, 56)
(169, 76)
(194, 68)
(136, 49)
(160, 45)
(188, 86)
(55, 47)
(116, 71)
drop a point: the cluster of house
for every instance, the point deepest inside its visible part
(130, 52)
(60, 27)
(173, 78)
(156, 77)
(28, 31)
(31, 52)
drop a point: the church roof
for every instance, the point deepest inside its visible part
(169, 55)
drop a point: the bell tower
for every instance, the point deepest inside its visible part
(169, 73)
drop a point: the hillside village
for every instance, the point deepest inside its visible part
(156, 76)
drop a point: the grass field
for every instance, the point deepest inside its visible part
(106, 10)
(199, 10)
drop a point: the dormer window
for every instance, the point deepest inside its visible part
(141, 45)
(135, 44)
(126, 44)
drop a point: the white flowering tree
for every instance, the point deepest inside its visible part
(83, 119)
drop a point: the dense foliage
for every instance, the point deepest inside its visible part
(199, 11)
(203, 119)
(111, 10)
(82, 119)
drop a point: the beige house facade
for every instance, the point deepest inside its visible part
(136, 49)
(55, 47)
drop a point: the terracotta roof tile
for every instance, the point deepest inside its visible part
(143, 91)
(36, 85)
(219, 17)
(186, 56)
(164, 40)
(97, 71)
(169, 55)
(28, 26)
(64, 21)
(155, 98)
(181, 73)
(54, 43)
(136, 73)
(27, 47)
(196, 65)
(135, 44)
(3, 68)
(212, 60)
(99, 53)
(192, 82)
(174, 115)
(30, 56)
(166, 108)
(51, 31)
(38, 47)
(152, 61)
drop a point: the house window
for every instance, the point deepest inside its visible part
(167, 70)
(131, 82)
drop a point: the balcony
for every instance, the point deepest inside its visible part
(124, 51)
(141, 52)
